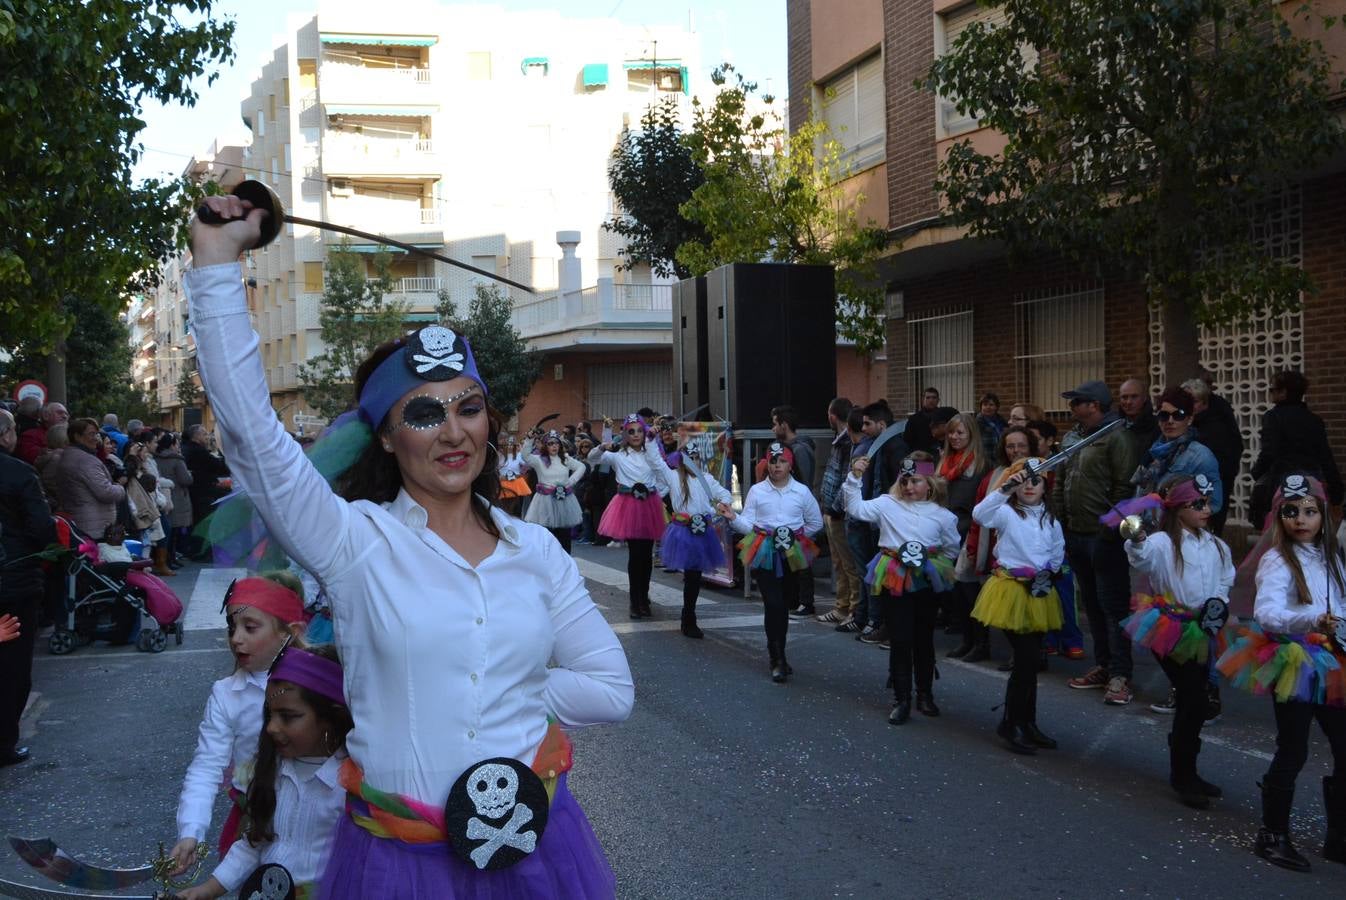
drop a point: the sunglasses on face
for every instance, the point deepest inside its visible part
(1199, 504)
(1294, 510)
(1178, 415)
(424, 412)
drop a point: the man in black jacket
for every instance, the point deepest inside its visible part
(1293, 440)
(26, 527)
(206, 469)
(1217, 428)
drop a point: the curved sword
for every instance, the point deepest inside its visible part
(43, 854)
(28, 892)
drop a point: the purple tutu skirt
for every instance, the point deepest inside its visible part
(568, 863)
(683, 551)
(629, 519)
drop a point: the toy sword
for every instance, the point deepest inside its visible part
(53, 862)
(884, 437)
(1055, 460)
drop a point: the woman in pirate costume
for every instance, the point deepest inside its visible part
(514, 487)
(778, 519)
(636, 514)
(690, 543)
(1020, 597)
(1296, 651)
(918, 541)
(554, 505)
(467, 636)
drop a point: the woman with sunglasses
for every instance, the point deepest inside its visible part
(1177, 450)
(1296, 651)
(1191, 572)
(467, 636)
(636, 514)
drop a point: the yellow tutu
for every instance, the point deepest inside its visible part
(1005, 603)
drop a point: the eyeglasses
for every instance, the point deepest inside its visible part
(1199, 504)
(424, 412)
(1294, 510)
(1177, 415)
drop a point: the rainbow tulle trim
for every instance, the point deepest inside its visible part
(758, 551)
(887, 573)
(1169, 629)
(1292, 667)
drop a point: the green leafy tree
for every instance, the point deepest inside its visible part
(652, 173)
(1145, 140)
(506, 364)
(355, 318)
(777, 197)
(188, 391)
(74, 75)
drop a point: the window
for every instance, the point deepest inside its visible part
(615, 390)
(643, 78)
(479, 65)
(939, 348)
(271, 106)
(953, 24)
(853, 109)
(313, 277)
(261, 124)
(1058, 339)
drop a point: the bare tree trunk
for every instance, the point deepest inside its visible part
(56, 374)
(1182, 358)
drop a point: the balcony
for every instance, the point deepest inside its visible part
(348, 155)
(418, 293)
(344, 85)
(603, 316)
(406, 221)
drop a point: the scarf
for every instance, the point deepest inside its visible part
(1162, 454)
(951, 468)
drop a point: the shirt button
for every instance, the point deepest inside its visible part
(474, 677)
(480, 620)
(472, 734)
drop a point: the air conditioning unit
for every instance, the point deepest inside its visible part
(342, 189)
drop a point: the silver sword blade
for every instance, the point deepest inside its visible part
(28, 892)
(44, 856)
(884, 437)
(1056, 459)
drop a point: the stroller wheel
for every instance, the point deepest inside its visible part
(61, 642)
(152, 641)
(177, 633)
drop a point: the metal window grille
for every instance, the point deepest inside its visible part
(940, 356)
(1058, 339)
(615, 390)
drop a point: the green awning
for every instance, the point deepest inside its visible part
(596, 75)
(381, 40)
(650, 64)
(381, 248)
(398, 111)
(535, 61)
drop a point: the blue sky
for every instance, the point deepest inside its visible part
(749, 33)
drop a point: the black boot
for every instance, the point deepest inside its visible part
(1334, 801)
(689, 627)
(901, 711)
(778, 673)
(1273, 840)
(1210, 790)
(925, 704)
(635, 609)
(1182, 773)
(962, 649)
(1009, 729)
(980, 636)
(1031, 730)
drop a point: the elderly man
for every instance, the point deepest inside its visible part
(1133, 399)
(1217, 428)
(1087, 485)
(26, 527)
(206, 469)
(113, 430)
(33, 441)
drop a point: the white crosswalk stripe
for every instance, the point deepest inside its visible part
(660, 594)
(203, 609)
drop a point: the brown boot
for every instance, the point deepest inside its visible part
(160, 557)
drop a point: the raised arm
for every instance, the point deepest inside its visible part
(863, 510)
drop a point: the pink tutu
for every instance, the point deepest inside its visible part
(629, 519)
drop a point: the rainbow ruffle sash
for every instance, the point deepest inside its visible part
(1292, 667)
(1169, 629)
(886, 572)
(758, 551)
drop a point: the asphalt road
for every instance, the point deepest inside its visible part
(723, 784)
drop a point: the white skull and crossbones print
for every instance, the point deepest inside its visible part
(493, 789)
(784, 538)
(913, 554)
(437, 343)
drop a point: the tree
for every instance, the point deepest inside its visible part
(1145, 140)
(769, 196)
(188, 391)
(506, 364)
(652, 173)
(74, 75)
(354, 320)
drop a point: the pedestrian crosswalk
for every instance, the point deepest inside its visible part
(203, 609)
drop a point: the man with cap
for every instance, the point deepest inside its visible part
(1088, 484)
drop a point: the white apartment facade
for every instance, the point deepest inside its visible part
(478, 133)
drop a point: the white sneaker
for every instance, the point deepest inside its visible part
(1168, 705)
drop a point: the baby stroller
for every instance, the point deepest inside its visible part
(112, 601)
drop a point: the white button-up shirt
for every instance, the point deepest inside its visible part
(309, 803)
(446, 664)
(1207, 566)
(631, 468)
(769, 507)
(1022, 542)
(227, 737)
(552, 470)
(695, 501)
(1277, 607)
(925, 522)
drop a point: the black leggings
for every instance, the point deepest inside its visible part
(1294, 722)
(562, 535)
(639, 566)
(780, 594)
(691, 589)
(911, 633)
(1189, 680)
(1021, 693)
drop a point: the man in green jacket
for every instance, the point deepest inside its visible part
(1087, 486)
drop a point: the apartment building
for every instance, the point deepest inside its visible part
(956, 305)
(481, 134)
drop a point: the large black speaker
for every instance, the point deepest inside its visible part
(691, 363)
(772, 341)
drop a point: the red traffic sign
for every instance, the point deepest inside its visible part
(31, 388)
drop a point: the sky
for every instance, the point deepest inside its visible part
(748, 33)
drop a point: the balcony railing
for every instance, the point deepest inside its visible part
(642, 296)
(359, 155)
(345, 83)
(602, 306)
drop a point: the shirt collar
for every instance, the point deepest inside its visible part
(243, 678)
(413, 515)
(328, 773)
